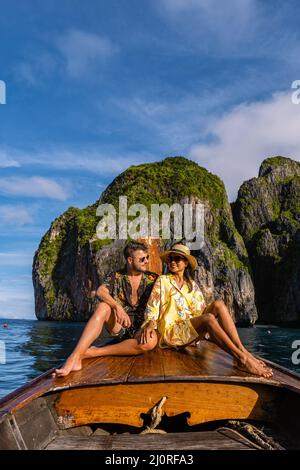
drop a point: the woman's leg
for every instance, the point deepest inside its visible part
(207, 323)
(221, 312)
(103, 314)
(128, 347)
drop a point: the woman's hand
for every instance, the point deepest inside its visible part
(147, 332)
(121, 316)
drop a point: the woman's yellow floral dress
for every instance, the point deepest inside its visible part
(172, 308)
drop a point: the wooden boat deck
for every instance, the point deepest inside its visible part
(201, 384)
(204, 363)
(213, 440)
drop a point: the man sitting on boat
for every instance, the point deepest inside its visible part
(123, 298)
(176, 308)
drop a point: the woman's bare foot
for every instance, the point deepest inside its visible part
(255, 359)
(254, 367)
(73, 363)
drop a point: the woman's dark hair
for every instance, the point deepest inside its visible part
(133, 246)
(188, 276)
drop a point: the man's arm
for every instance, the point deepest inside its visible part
(122, 318)
(103, 294)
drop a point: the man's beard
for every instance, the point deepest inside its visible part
(139, 269)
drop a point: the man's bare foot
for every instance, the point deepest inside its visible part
(73, 363)
(254, 367)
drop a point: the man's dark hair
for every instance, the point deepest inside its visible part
(133, 246)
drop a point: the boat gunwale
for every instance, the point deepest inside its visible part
(41, 380)
(204, 379)
(175, 378)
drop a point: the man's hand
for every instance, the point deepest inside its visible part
(121, 316)
(147, 333)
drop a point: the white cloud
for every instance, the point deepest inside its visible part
(76, 52)
(15, 258)
(104, 164)
(6, 161)
(16, 215)
(35, 186)
(248, 134)
(91, 161)
(222, 25)
(234, 28)
(82, 50)
(26, 71)
(37, 66)
(176, 123)
(211, 9)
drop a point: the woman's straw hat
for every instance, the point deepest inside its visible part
(179, 249)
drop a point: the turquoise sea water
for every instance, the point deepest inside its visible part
(32, 347)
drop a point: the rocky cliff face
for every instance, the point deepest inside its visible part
(71, 262)
(267, 215)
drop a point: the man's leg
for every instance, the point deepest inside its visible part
(221, 312)
(103, 314)
(128, 347)
(207, 323)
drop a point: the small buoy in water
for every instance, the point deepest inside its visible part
(5, 325)
(269, 332)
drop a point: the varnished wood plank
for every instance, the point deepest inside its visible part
(124, 404)
(208, 362)
(179, 364)
(110, 369)
(26, 394)
(8, 439)
(113, 369)
(207, 440)
(214, 361)
(147, 366)
(285, 377)
(36, 424)
(69, 442)
(195, 364)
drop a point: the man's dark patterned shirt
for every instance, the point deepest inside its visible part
(119, 287)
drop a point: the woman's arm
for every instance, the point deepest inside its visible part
(198, 301)
(152, 310)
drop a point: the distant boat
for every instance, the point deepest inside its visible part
(200, 398)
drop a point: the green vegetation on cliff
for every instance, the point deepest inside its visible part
(165, 182)
(267, 214)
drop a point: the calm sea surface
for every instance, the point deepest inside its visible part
(32, 347)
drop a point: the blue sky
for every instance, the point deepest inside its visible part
(93, 87)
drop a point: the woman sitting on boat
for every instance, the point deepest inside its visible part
(177, 310)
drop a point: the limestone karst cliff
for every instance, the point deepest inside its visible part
(267, 215)
(70, 261)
